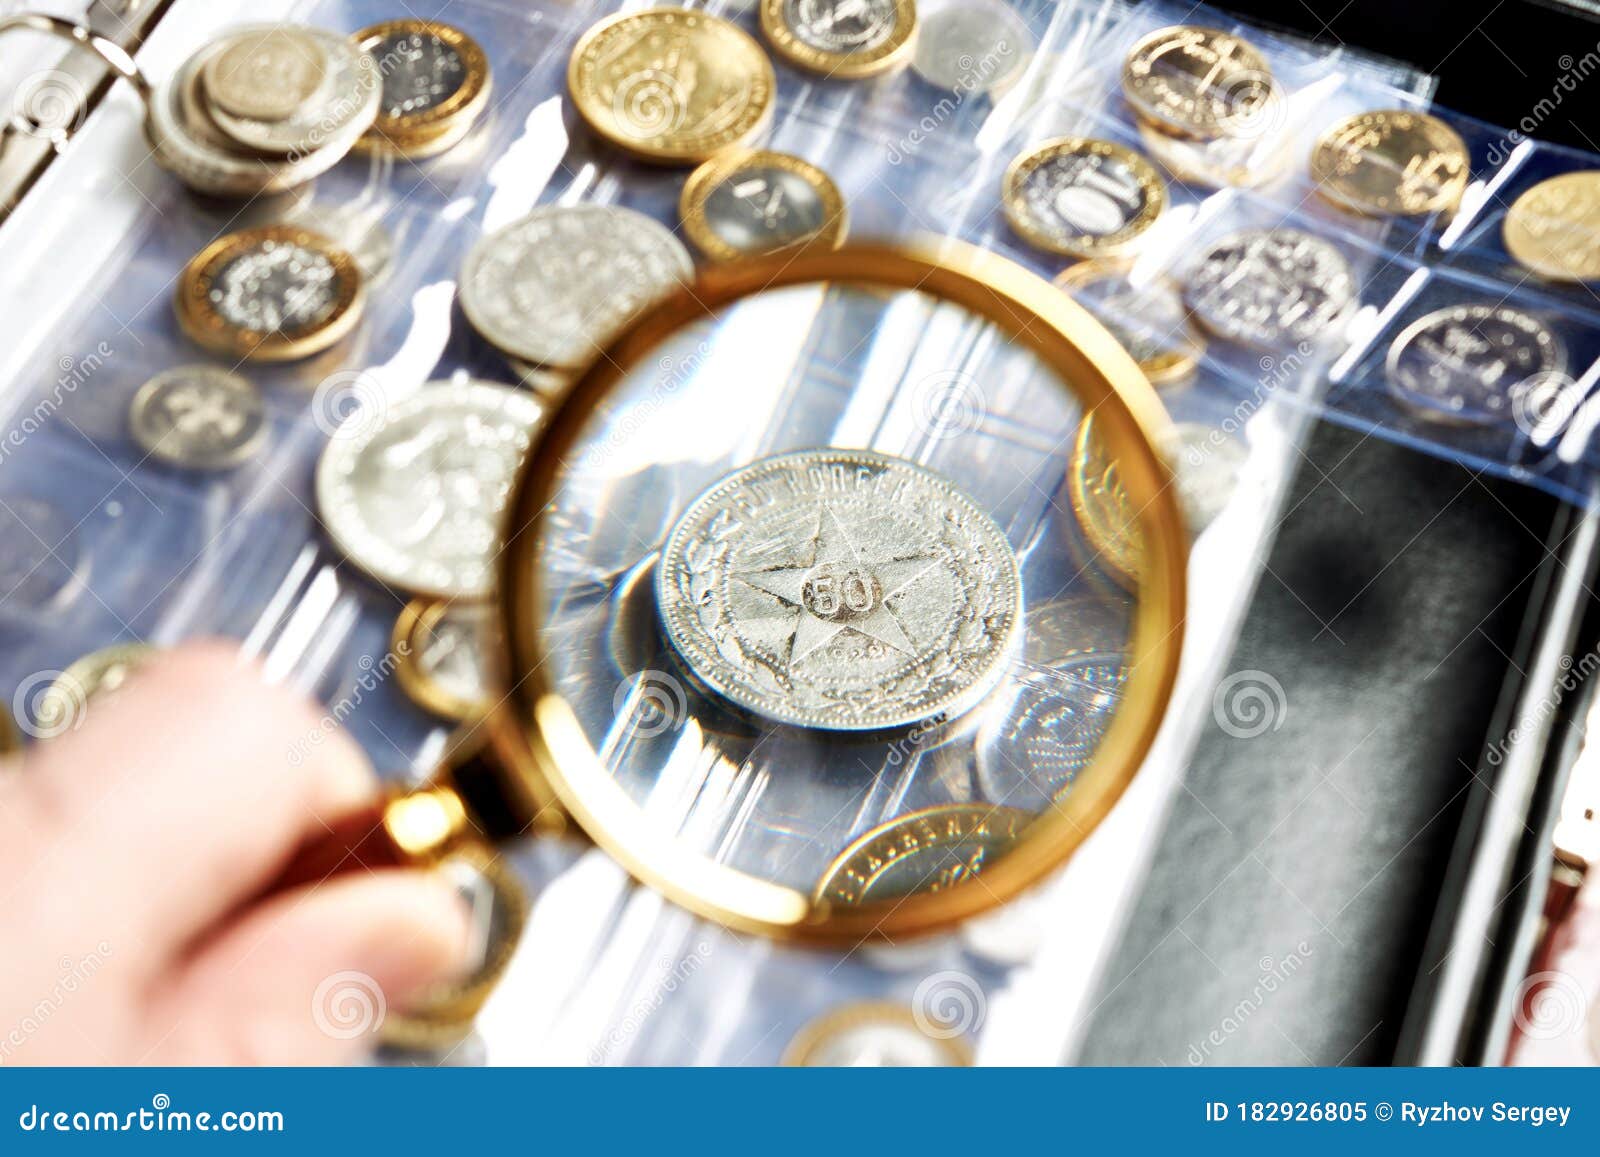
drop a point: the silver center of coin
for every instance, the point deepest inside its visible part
(840, 26)
(840, 589)
(763, 208)
(553, 287)
(413, 490)
(198, 417)
(1073, 195)
(970, 47)
(419, 72)
(1465, 363)
(1270, 287)
(279, 286)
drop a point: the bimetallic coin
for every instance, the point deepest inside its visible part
(845, 39)
(1271, 287)
(1554, 227)
(199, 418)
(269, 294)
(840, 589)
(1464, 363)
(443, 656)
(926, 851)
(267, 73)
(971, 46)
(1082, 197)
(42, 566)
(435, 85)
(556, 286)
(670, 84)
(1150, 320)
(342, 108)
(1391, 162)
(413, 493)
(1198, 82)
(1108, 520)
(758, 202)
(66, 702)
(873, 1035)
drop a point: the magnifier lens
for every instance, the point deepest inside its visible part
(830, 594)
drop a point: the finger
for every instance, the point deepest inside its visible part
(307, 977)
(175, 800)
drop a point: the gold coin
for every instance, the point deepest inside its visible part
(1109, 523)
(265, 73)
(1198, 82)
(1082, 197)
(1163, 342)
(758, 202)
(269, 294)
(442, 1014)
(925, 851)
(845, 39)
(442, 656)
(874, 1034)
(1554, 227)
(436, 84)
(66, 702)
(1227, 162)
(670, 84)
(1391, 162)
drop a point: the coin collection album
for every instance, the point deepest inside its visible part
(771, 485)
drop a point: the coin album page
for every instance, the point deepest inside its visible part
(610, 972)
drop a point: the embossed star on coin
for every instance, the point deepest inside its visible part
(840, 589)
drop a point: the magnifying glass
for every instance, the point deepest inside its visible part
(842, 595)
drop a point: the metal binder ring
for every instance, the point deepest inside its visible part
(109, 51)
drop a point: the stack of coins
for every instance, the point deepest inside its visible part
(1207, 105)
(263, 108)
(435, 86)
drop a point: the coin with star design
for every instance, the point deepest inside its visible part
(199, 418)
(840, 589)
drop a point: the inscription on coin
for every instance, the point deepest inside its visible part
(1465, 363)
(840, 589)
(758, 202)
(1197, 82)
(1082, 197)
(1271, 287)
(1554, 227)
(198, 417)
(1391, 162)
(926, 851)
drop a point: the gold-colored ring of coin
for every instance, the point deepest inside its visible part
(428, 132)
(441, 1015)
(808, 1045)
(412, 629)
(718, 171)
(893, 51)
(200, 318)
(1392, 162)
(1152, 189)
(1188, 80)
(671, 85)
(1166, 367)
(67, 700)
(937, 834)
(1109, 522)
(1554, 227)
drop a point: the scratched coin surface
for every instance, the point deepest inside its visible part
(1391, 162)
(1198, 82)
(1268, 288)
(1465, 363)
(670, 84)
(759, 201)
(840, 589)
(846, 39)
(926, 851)
(1082, 197)
(554, 287)
(1554, 227)
(198, 417)
(412, 491)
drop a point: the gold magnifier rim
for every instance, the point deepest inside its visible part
(542, 730)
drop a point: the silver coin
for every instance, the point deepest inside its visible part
(198, 417)
(268, 73)
(844, 27)
(971, 47)
(343, 107)
(840, 589)
(275, 286)
(1271, 287)
(554, 287)
(762, 207)
(412, 490)
(1205, 465)
(41, 559)
(1465, 363)
(420, 71)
